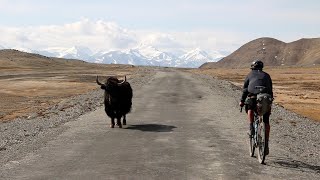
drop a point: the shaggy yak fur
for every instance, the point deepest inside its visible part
(117, 99)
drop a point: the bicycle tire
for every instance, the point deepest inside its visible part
(261, 142)
(251, 145)
(252, 137)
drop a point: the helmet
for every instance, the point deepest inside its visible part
(257, 65)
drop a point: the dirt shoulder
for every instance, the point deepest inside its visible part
(295, 88)
(294, 139)
(25, 134)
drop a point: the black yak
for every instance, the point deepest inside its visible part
(117, 99)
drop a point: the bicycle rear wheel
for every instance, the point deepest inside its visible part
(262, 143)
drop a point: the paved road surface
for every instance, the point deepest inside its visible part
(180, 128)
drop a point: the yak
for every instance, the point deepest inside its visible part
(117, 99)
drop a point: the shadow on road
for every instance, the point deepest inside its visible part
(152, 127)
(295, 165)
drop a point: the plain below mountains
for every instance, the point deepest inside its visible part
(303, 52)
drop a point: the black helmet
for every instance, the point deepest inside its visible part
(257, 65)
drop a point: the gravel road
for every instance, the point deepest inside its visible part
(182, 126)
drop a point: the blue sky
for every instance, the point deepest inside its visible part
(208, 24)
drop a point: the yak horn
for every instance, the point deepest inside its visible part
(125, 79)
(98, 82)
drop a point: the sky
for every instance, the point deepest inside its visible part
(212, 25)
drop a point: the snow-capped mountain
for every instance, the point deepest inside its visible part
(196, 54)
(197, 57)
(151, 56)
(75, 52)
(141, 55)
(119, 57)
(46, 53)
(135, 57)
(153, 53)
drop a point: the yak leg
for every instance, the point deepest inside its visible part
(124, 120)
(112, 123)
(119, 122)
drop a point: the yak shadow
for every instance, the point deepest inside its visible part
(151, 127)
(295, 165)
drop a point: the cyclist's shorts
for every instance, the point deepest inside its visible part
(251, 104)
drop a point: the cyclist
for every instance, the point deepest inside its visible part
(256, 77)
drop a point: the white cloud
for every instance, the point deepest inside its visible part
(211, 40)
(104, 35)
(218, 25)
(94, 34)
(160, 40)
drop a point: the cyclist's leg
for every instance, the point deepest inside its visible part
(250, 108)
(266, 121)
(250, 119)
(267, 126)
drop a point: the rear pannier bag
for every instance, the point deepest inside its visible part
(264, 102)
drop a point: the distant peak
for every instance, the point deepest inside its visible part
(198, 50)
(79, 47)
(146, 46)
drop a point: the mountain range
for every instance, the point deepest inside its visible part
(303, 52)
(142, 55)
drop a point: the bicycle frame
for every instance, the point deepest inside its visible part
(256, 122)
(258, 138)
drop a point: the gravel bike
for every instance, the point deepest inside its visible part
(258, 138)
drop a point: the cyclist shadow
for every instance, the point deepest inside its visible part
(293, 165)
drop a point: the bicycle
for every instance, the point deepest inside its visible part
(258, 138)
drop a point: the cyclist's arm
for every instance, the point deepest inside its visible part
(245, 89)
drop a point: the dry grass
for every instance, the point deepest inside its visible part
(295, 88)
(32, 89)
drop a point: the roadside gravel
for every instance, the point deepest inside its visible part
(295, 137)
(25, 135)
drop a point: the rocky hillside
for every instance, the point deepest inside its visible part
(304, 52)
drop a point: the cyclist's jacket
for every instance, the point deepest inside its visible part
(256, 78)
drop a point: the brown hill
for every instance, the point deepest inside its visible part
(10, 58)
(304, 52)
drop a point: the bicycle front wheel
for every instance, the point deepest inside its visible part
(251, 145)
(262, 143)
